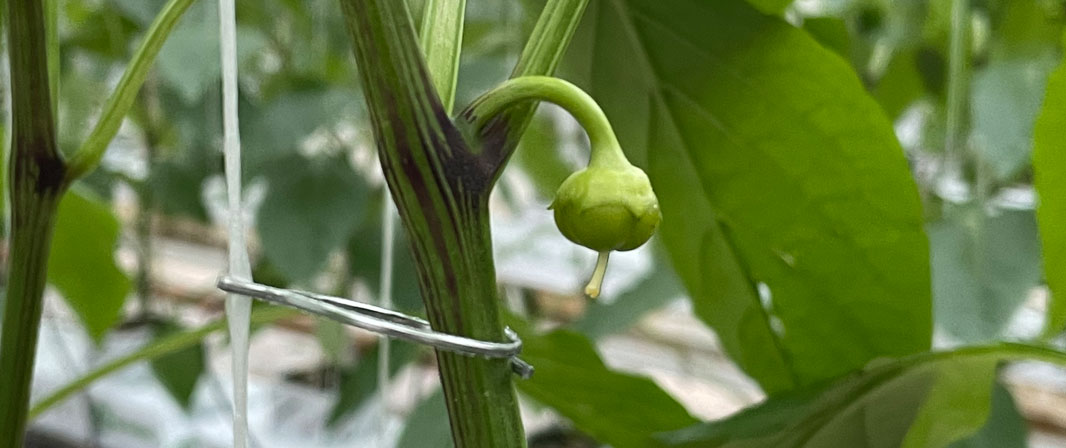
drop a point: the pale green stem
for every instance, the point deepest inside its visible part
(441, 39)
(516, 91)
(92, 150)
(160, 347)
(958, 81)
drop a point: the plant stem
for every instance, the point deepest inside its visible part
(92, 150)
(36, 185)
(519, 91)
(958, 82)
(441, 191)
(441, 39)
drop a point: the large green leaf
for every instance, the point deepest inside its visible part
(1049, 164)
(931, 400)
(311, 209)
(618, 409)
(983, 269)
(82, 263)
(773, 167)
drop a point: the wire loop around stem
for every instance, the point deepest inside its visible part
(382, 321)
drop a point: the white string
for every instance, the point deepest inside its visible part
(388, 228)
(238, 308)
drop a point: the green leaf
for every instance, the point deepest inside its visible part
(900, 85)
(658, 288)
(427, 426)
(770, 6)
(766, 176)
(82, 263)
(311, 209)
(831, 32)
(983, 269)
(179, 371)
(1049, 165)
(196, 40)
(958, 404)
(539, 157)
(1006, 100)
(333, 339)
(1005, 427)
(618, 409)
(274, 130)
(359, 382)
(930, 400)
(364, 259)
(141, 11)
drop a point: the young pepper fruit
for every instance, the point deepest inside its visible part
(605, 207)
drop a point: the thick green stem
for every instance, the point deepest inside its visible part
(442, 41)
(36, 184)
(441, 190)
(526, 89)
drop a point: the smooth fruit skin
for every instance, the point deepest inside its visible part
(607, 208)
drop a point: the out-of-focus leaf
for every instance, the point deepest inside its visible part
(189, 60)
(957, 405)
(332, 338)
(618, 409)
(1005, 427)
(179, 371)
(538, 155)
(141, 11)
(659, 287)
(82, 263)
(928, 401)
(983, 268)
(1026, 29)
(765, 176)
(364, 259)
(1049, 164)
(1006, 100)
(900, 85)
(310, 210)
(361, 381)
(176, 189)
(274, 130)
(427, 426)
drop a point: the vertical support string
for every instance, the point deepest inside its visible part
(238, 308)
(388, 230)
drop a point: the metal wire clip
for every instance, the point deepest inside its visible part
(383, 321)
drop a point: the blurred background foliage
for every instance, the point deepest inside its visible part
(315, 192)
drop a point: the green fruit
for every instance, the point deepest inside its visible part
(607, 208)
